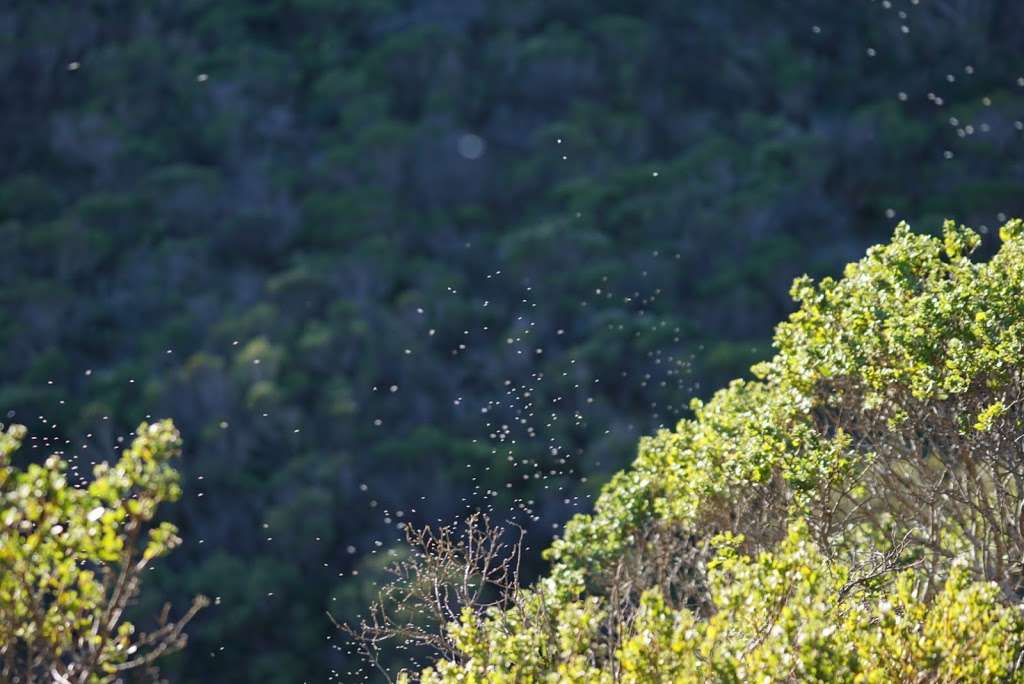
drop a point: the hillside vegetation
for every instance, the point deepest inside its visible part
(387, 262)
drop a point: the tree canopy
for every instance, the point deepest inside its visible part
(853, 513)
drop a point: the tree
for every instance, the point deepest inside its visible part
(853, 513)
(72, 559)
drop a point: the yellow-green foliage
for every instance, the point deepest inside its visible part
(544, 638)
(888, 413)
(788, 615)
(780, 618)
(69, 555)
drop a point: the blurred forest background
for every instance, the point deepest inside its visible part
(386, 260)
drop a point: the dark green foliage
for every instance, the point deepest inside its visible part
(287, 175)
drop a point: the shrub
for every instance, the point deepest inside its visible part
(72, 558)
(855, 512)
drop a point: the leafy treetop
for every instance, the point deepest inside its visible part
(72, 559)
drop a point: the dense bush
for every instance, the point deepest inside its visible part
(855, 513)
